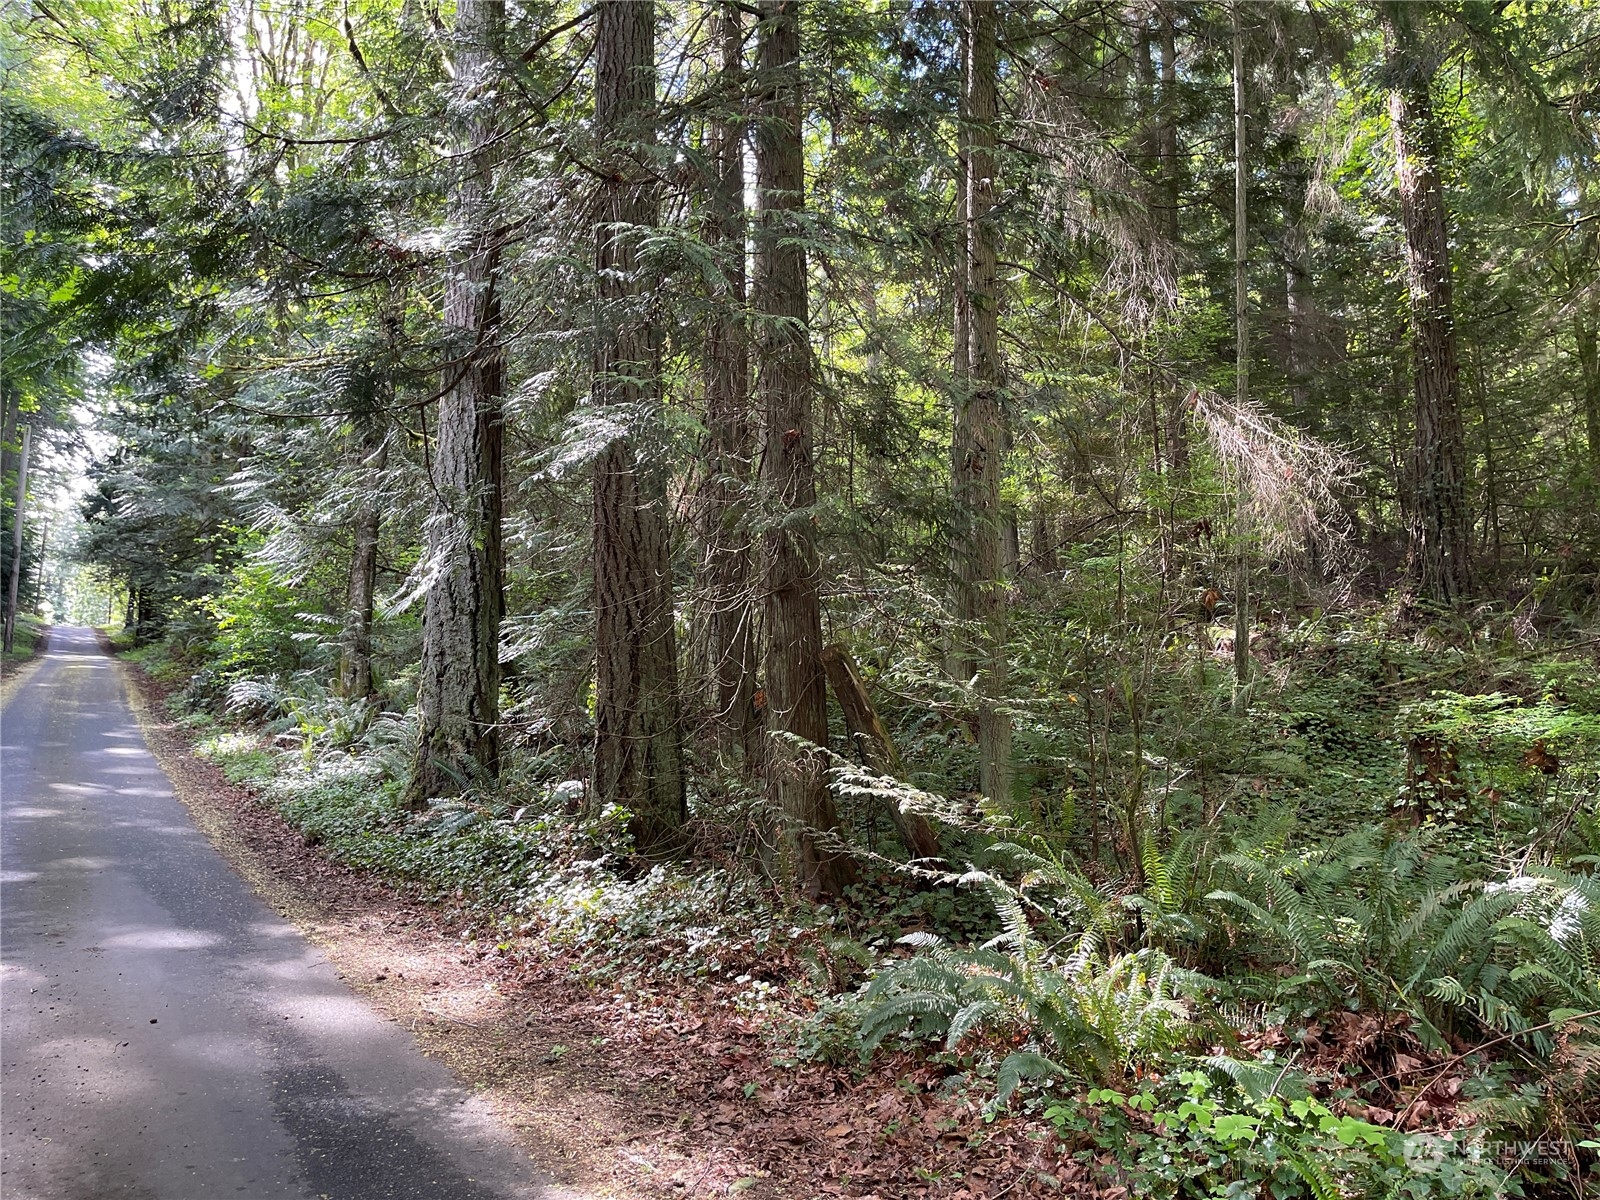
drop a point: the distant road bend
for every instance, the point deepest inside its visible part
(166, 1035)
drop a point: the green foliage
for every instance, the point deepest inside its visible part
(1376, 921)
(242, 757)
(1511, 757)
(259, 322)
(261, 628)
(1355, 916)
(1194, 1133)
(1086, 1015)
(25, 639)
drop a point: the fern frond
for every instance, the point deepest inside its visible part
(1316, 1177)
(967, 1019)
(1020, 1065)
(1257, 1079)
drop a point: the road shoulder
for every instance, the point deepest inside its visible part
(534, 1043)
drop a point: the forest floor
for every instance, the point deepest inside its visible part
(666, 1093)
(32, 639)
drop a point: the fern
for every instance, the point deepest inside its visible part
(1020, 1065)
(1088, 1015)
(1382, 922)
(1316, 1177)
(1259, 1080)
(970, 1017)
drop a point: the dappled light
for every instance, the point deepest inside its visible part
(146, 991)
(929, 599)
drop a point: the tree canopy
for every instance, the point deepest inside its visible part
(860, 439)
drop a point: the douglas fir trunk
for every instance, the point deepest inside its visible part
(725, 567)
(458, 693)
(638, 759)
(980, 424)
(1439, 538)
(796, 689)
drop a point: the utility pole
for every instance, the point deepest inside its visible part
(16, 541)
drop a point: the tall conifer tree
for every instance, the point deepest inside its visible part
(459, 690)
(725, 564)
(796, 687)
(980, 423)
(1438, 519)
(638, 759)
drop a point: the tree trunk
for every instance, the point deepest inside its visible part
(1489, 544)
(796, 691)
(355, 642)
(638, 754)
(459, 689)
(42, 552)
(1439, 559)
(876, 746)
(17, 518)
(1043, 545)
(1176, 433)
(1589, 365)
(725, 566)
(1241, 328)
(980, 424)
(1300, 340)
(959, 661)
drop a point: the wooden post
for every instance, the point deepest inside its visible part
(16, 541)
(875, 746)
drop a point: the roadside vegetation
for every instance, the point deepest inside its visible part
(25, 642)
(1327, 966)
(1047, 552)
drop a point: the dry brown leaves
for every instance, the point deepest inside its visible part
(1402, 1082)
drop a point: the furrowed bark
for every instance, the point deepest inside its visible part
(725, 566)
(980, 425)
(459, 689)
(638, 759)
(1440, 542)
(355, 641)
(1241, 329)
(796, 691)
(959, 660)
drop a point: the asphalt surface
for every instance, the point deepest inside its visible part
(165, 1034)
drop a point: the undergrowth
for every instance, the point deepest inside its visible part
(1354, 951)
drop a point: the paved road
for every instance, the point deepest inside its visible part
(166, 1036)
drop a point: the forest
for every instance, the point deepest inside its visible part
(1042, 552)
